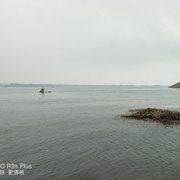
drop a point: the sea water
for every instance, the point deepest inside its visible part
(72, 133)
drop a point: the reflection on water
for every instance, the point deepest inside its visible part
(71, 133)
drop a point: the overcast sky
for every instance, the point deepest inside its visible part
(90, 41)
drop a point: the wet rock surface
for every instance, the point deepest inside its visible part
(160, 115)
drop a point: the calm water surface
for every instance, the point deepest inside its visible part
(71, 134)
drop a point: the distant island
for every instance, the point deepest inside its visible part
(177, 85)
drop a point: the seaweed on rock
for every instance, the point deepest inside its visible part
(161, 115)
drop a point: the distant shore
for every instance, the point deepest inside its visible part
(58, 85)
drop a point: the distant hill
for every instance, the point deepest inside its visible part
(29, 85)
(177, 85)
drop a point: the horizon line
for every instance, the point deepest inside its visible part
(78, 84)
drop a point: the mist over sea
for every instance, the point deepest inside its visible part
(71, 133)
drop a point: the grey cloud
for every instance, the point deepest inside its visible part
(89, 42)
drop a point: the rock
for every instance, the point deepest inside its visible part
(177, 85)
(160, 115)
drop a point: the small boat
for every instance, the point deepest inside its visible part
(43, 91)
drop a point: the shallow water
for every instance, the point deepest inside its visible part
(72, 134)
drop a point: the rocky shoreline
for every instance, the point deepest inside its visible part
(177, 85)
(159, 115)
